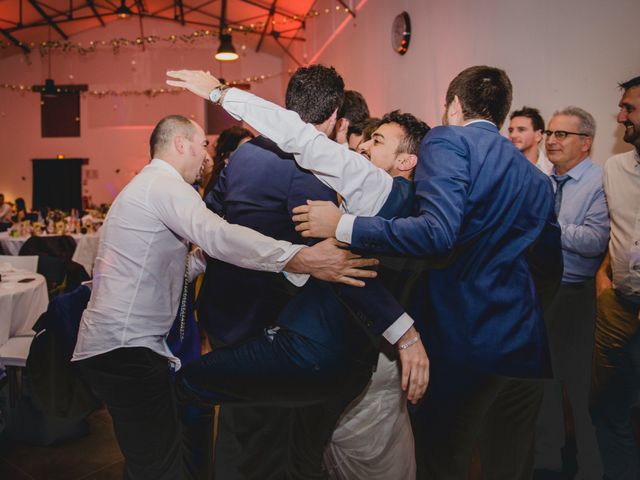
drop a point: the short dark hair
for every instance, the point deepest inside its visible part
(166, 129)
(634, 82)
(228, 141)
(355, 109)
(532, 114)
(370, 126)
(484, 92)
(314, 93)
(414, 130)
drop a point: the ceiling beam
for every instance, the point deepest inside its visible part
(266, 25)
(49, 20)
(180, 11)
(188, 10)
(279, 11)
(285, 49)
(351, 12)
(95, 12)
(15, 41)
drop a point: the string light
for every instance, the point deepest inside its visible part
(117, 43)
(148, 92)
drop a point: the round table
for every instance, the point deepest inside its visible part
(21, 304)
(11, 245)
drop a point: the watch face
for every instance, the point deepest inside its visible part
(401, 33)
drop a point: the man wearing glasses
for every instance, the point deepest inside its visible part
(581, 208)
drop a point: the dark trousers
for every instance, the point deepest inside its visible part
(463, 409)
(615, 384)
(570, 322)
(137, 388)
(281, 368)
(252, 442)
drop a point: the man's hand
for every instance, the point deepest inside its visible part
(196, 81)
(603, 282)
(329, 262)
(317, 219)
(603, 276)
(415, 365)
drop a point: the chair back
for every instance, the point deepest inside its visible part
(26, 262)
(57, 246)
(54, 270)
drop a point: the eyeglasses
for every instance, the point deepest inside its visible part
(562, 134)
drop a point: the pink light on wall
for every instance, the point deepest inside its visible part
(335, 34)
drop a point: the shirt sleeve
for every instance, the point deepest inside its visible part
(344, 229)
(591, 236)
(398, 328)
(182, 210)
(364, 187)
(442, 183)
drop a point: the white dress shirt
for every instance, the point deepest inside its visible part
(543, 163)
(364, 188)
(5, 212)
(140, 266)
(622, 188)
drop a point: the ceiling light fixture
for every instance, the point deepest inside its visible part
(123, 11)
(226, 52)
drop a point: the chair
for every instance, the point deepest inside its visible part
(13, 356)
(27, 262)
(54, 270)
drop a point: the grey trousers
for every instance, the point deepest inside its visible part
(570, 322)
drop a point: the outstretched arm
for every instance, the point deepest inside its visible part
(363, 187)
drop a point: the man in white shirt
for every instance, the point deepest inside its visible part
(138, 277)
(5, 210)
(615, 376)
(525, 132)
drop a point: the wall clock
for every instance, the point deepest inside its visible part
(401, 33)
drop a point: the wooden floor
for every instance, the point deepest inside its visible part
(94, 457)
(97, 457)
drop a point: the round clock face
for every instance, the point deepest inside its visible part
(401, 33)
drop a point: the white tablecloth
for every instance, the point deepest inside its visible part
(84, 254)
(86, 250)
(21, 304)
(11, 245)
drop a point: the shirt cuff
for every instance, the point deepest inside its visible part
(398, 328)
(344, 229)
(288, 255)
(297, 279)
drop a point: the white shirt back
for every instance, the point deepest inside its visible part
(140, 265)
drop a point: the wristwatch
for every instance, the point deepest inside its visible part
(216, 94)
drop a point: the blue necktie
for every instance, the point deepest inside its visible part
(557, 199)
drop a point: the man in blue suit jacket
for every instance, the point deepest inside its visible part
(478, 196)
(259, 188)
(483, 329)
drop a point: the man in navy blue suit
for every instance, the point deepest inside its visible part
(479, 197)
(260, 187)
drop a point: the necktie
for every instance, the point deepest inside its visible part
(557, 199)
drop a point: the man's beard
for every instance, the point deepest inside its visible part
(632, 135)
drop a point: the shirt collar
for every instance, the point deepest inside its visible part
(479, 120)
(577, 171)
(167, 167)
